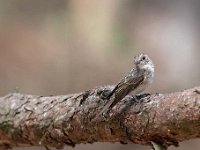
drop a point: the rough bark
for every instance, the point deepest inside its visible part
(55, 121)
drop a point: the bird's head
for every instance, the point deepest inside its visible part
(142, 61)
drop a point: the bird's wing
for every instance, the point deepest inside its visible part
(124, 87)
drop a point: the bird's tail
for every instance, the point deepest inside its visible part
(107, 107)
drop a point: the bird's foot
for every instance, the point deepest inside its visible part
(143, 95)
(140, 97)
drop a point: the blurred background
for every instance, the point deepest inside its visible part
(59, 47)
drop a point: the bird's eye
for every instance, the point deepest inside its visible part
(143, 58)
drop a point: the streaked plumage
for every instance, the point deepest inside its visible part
(135, 81)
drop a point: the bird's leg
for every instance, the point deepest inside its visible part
(138, 99)
(142, 95)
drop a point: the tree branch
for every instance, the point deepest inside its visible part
(55, 121)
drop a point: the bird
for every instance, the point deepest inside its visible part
(135, 82)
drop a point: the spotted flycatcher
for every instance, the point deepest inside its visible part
(136, 81)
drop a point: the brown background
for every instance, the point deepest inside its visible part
(54, 47)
